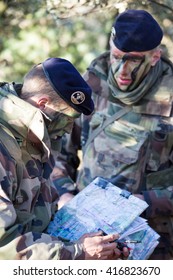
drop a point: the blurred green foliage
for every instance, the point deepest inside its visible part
(78, 30)
(29, 34)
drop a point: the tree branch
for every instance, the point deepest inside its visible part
(161, 4)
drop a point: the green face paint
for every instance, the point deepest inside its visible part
(60, 125)
(129, 68)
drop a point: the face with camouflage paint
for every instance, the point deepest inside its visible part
(59, 116)
(130, 68)
(61, 121)
(60, 125)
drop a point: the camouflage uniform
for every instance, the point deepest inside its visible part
(27, 199)
(135, 152)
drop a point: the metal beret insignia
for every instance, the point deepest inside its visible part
(77, 97)
(113, 32)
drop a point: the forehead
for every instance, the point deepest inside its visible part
(116, 51)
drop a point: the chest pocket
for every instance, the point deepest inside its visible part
(161, 147)
(120, 145)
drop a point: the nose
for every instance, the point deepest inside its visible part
(124, 68)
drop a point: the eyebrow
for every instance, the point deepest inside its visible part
(129, 56)
(133, 56)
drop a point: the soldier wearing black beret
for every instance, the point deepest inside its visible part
(33, 118)
(132, 83)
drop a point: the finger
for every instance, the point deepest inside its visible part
(106, 255)
(110, 237)
(126, 252)
(107, 246)
(111, 254)
(117, 252)
(108, 252)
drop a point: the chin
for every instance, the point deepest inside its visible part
(123, 88)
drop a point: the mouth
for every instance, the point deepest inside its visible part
(123, 81)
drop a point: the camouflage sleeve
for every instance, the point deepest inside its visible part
(160, 202)
(159, 192)
(30, 245)
(67, 162)
(39, 246)
(17, 241)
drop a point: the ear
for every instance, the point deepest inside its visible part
(155, 57)
(42, 103)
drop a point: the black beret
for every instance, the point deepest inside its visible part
(69, 84)
(136, 30)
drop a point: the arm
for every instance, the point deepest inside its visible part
(160, 202)
(17, 243)
(67, 162)
(21, 239)
(22, 219)
(159, 194)
(66, 165)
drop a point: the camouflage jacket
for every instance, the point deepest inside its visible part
(135, 152)
(27, 198)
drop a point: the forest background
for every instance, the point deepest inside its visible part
(78, 30)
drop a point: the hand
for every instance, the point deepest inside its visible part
(99, 247)
(124, 252)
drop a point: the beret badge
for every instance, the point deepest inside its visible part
(77, 97)
(68, 83)
(113, 32)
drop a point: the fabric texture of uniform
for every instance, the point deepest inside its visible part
(135, 152)
(27, 198)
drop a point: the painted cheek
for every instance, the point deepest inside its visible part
(138, 72)
(115, 67)
(127, 68)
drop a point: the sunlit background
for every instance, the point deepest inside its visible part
(78, 30)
